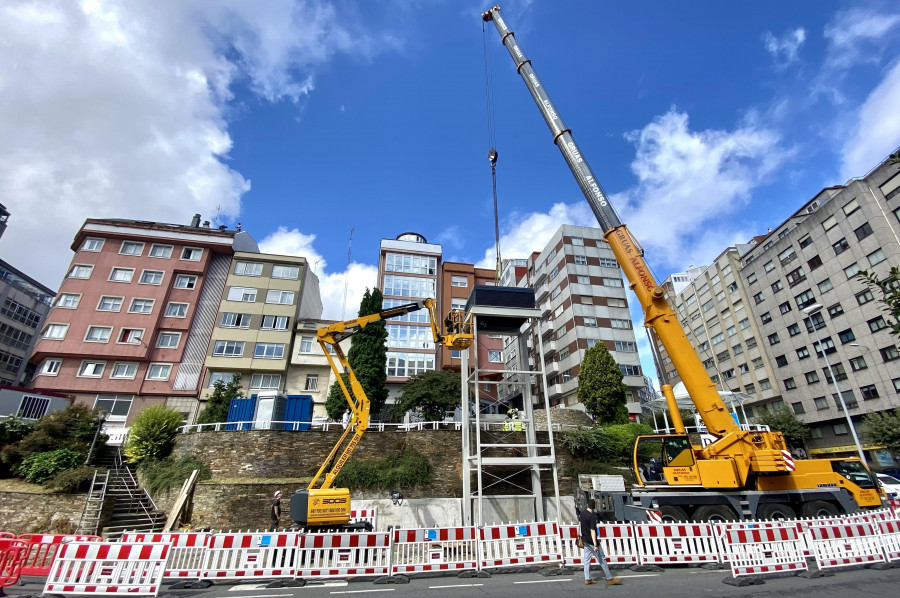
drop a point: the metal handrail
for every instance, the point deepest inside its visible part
(120, 464)
(294, 426)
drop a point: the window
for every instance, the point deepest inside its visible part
(744, 324)
(849, 399)
(455, 353)
(280, 297)
(777, 286)
(805, 299)
(896, 381)
(835, 310)
(751, 342)
(495, 356)
(244, 294)
(624, 346)
(80, 271)
(248, 269)
(718, 338)
(414, 337)
(826, 347)
(814, 262)
(737, 349)
(781, 361)
(141, 306)
(223, 377)
(814, 322)
(33, 407)
(228, 348)
(18, 312)
(151, 277)
(630, 370)
(563, 354)
(403, 365)
(751, 278)
(400, 262)
(124, 370)
(764, 384)
(787, 256)
(863, 231)
(131, 336)
(876, 257)
(829, 222)
(769, 266)
(459, 281)
(812, 377)
(292, 272)
(306, 344)
(825, 285)
(98, 334)
(618, 323)
(268, 351)
(613, 282)
(731, 330)
(773, 339)
(690, 300)
(50, 367)
(750, 389)
(91, 244)
(159, 371)
(578, 241)
(805, 241)
(821, 403)
(121, 274)
(784, 307)
(864, 297)
(858, 363)
(758, 298)
(850, 207)
(580, 260)
(234, 320)
(583, 279)
(794, 329)
(840, 246)
(852, 270)
(869, 391)
(68, 300)
(876, 324)
(191, 254)
(889, 353)
(732, 287)
(131, 248)
(266, 381)
(789, 384)
(608, 263)
(795, 276)
(802, 353)
(743, 368)
(160, 251)
(708, 363)
(766, 318)
(110, 303)
(406, 286)
(185, 281)
(798, 408)
(274, 323)
(176, 310)
(312, 382)
(168, 340)
(91, 369)
(728, 374)
(590, 321)
(846, 336)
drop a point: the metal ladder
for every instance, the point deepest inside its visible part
(93, 506)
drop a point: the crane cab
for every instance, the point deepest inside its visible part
(328, 507)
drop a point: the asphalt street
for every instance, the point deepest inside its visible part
(672, 583)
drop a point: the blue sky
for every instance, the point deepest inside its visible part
(707, 123)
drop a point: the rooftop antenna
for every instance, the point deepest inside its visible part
(347, 273)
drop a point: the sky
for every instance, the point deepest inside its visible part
(707, 122)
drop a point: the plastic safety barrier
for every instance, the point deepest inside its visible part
(511, 545)
(439, 549)
(753, 550)
(616, 539)
(42, 549)
(107, 568)
(7, 535)
(676, 543)
(889, 532)
(12, 556)
(239, 556)
(343, 555)
(186, 555)
(370, 515)
(842, 545)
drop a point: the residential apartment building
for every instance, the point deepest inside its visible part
(580, 291)
(264, 297)
(134, 315)
(309, 372)
(408, 270)
(24, 305)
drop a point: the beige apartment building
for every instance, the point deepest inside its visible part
(309, 372)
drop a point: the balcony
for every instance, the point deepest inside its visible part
(539, 275)
(540, 293)
(545, 310)
(555, 390)
(546, 327)
(552, 368)
(549, 347)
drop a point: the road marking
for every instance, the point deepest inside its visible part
(460, 585)
(262, 586)
(363, 591)
(266, 596)
(543, 581)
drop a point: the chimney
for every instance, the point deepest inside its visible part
(222, 227)
(195, 221)
(206, 224)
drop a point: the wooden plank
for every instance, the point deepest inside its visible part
(187, 488)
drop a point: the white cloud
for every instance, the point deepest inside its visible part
(877, 129)
(784, 49)
(118, 109)
(858, 35)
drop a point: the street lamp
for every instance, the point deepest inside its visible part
(809, 311)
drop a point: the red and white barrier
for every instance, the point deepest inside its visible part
(13, 553)
(369, 515)
(343, 555)
(42, 549)
(512, 545)
(439, 549)
(616, 539)
(241, 556)
(107, 568)
(753, 550)
(676, 543)
(842, 545)
(187, 553)
(889, 533)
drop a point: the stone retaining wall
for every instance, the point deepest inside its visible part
(27, 512)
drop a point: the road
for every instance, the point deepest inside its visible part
(673, 583)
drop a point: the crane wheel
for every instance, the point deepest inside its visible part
(713, 513)
(819, 508)
(775, 510)
(673, 514)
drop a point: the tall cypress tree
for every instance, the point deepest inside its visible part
(600, 386)
(368, 352)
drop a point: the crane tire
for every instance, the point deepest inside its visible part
(819, 508)
(713, 513)
(775, 510)
(673, 514)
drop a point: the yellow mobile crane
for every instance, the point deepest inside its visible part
(319, 505)
(742, 474)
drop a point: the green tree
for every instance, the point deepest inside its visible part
(783, 420)
(336, 402)
(600, 386)
(883, 427)
(71, 428)
(216, 409)
(152, 434)
(432, 393)
(888, 291)
(368, 352)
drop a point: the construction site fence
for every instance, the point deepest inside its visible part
(301, 426)
(88, 564)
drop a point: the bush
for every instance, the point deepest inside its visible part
(404, 469)
(12, 430)
(71, 428)
(40, 467)
(152, 434)
(72, 480)
(610, 444)
(157, 476)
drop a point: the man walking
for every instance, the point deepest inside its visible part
(588, 521)
(275, 513)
